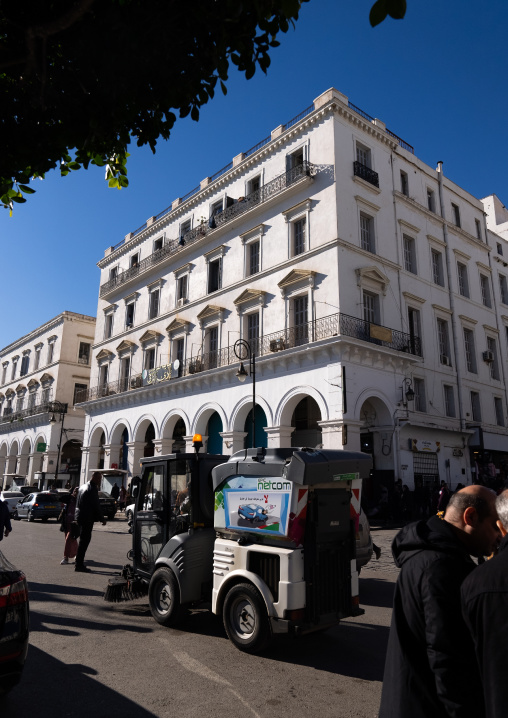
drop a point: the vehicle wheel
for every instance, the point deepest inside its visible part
(245, 619)
(15, 516)
(45, 518)
(30, 516)
(128, 515)
(164, 597)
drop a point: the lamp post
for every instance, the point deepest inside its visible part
(244, 351)
(58, 408)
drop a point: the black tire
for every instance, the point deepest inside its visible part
(128, 515)
(30, 516)
(245, 619)
(164, 597)
(45, 518)
(15, 516)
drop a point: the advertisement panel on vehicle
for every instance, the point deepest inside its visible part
(250, 503)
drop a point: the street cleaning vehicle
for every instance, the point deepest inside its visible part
(266, 538)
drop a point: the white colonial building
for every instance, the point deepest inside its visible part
(40, 375)
(361, 279)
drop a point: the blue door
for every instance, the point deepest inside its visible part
(214, 437)
(260, 423)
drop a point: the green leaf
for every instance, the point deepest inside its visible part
(396, 8)
(195, 114)
(223, 88)
(18, 199)
(378, 12)
(26, 190)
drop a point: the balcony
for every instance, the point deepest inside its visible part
(10, 416)
(365, 173)
(236, 209)
(335, 325)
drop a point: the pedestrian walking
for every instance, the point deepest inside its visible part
(5, 520)
(69, 527)
(485, 610)
(121, 497)
(115, 492)
(88, 510)
(431, 668)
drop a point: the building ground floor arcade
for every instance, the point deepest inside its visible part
(315, 399)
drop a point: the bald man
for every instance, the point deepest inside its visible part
(485, 610)
(430, 667)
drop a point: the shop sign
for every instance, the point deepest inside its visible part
(41, 446)
(424, 445)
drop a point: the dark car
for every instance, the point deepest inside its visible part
(108, 504)
(13, 624)
(41, 505)
(252, 512)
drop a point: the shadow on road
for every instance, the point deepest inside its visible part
(68, 626)
(91, 698)
(39, 591)
(376, 592)
(349, 649)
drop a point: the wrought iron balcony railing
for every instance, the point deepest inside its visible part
(8, 415)
(366, 173)
(334, 325)
(237, 208)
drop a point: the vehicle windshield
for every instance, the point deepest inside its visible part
(46, 498)
(11, 494)
(104, 495)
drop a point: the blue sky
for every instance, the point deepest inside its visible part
(436, 78)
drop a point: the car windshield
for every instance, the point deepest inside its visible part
(252, 506)
(104, 495)
(11, 494)
(46, 498)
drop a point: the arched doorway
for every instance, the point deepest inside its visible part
(213, 431)
(102, 453)
(70, 460)
(179, 433)
(123, 458)
(149, 449)
(260, 422)
(305, 420)
(376, 439)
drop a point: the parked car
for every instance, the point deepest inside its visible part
(25, 490)
(252, 512)
(42, 505)
(13, 624)
(12, 498)
(108, 504)
(364, 546)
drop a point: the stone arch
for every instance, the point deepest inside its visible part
(14, 448)
(171, 419)
(289, 402)
(204, 414)
(116, 431)
(24, 458)
(242, 409)
(96, 433)
(142, 425)
(374, 408)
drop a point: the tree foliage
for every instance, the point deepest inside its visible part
(79, 79)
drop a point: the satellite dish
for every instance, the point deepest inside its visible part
(176, 364)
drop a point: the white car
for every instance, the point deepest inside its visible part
(11, 498)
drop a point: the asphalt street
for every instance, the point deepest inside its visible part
(91, 658)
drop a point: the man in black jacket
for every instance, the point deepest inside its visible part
(485, 610)
(430, 668)
(88, 510)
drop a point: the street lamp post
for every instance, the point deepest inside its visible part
(244, 351)
(58, 408)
